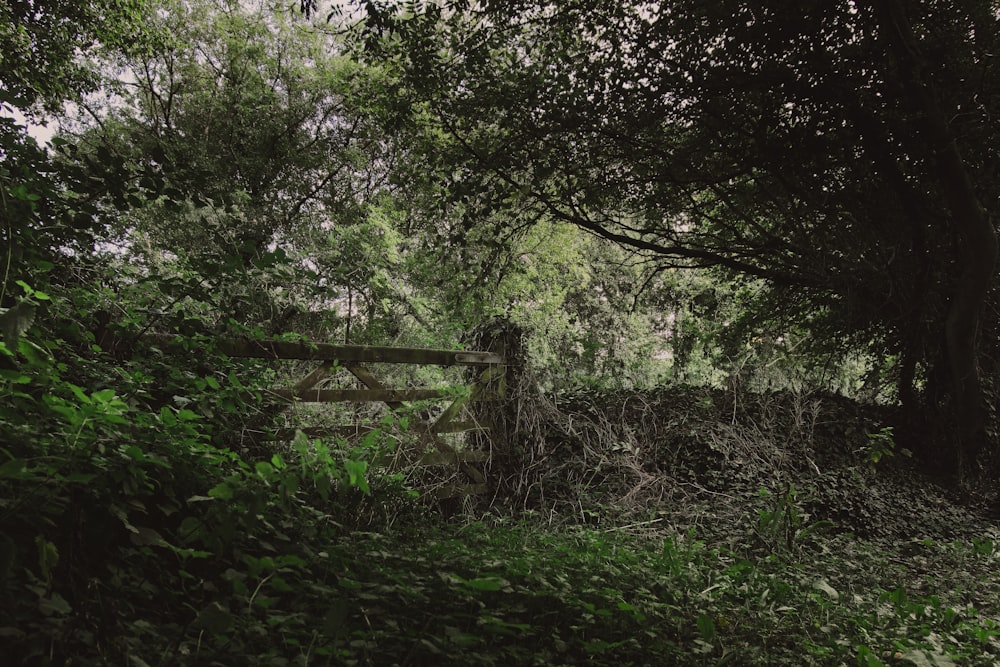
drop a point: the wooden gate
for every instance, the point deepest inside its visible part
(434, 450)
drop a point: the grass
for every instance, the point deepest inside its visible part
(533, 591)
(498, 592)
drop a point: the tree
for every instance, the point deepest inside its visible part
(42, 69)
(43, 39)
(839, 152)
(261, 135)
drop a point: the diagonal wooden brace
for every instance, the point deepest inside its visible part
(427, 433)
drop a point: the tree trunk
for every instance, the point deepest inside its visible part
(977, 241)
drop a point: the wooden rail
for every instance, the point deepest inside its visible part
(358, 395)
(280, 349)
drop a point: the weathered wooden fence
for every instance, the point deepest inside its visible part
(433, 449)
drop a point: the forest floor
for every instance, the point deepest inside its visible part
(675, 527)
(681, 527)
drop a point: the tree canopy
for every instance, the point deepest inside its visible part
(841, 152)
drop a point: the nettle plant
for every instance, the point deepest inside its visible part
(784, 526)
(882, 444)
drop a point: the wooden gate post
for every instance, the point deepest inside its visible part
(500, 417)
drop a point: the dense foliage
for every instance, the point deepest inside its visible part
(733, 256)
(840, 152)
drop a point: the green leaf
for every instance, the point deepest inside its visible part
(15, 321)
(371, 439)
(706, 627)
(335, 617)
(55, 604)
(214, 618)
(134, 452)
(301, 443)
(80, 394)
(191, 528)
(867, 657)
(137, 661)
(221, 491)
(356, 475)
(14, 469)
(103, 396)
(48, 557)
(486, 583)
(167, 416)
(146, 537)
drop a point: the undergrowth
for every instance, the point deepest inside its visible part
(257, 576)
(132, 536)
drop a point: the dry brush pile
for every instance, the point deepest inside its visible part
(712, 458)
